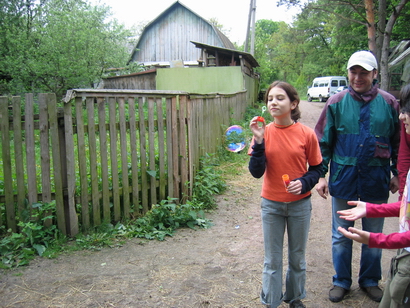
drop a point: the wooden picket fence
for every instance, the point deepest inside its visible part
(106, 155)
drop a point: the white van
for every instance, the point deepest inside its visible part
(322, 87)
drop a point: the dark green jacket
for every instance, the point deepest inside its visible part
(359, 137)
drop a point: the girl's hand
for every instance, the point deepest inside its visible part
(258, 130)
(294, 187)
(356, 234)
(355, 213)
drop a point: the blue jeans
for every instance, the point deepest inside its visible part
(370, 260)
(295, 218)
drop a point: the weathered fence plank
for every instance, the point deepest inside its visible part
(45, 165)
(6, 156)
(92, 149)
(170, 153)
(143, 155)
(30, 151)
(174, 144)
(113, 156)
(161, 149)
(19, 156)
(183, 158)
(56, 156)
(104, 159)
(72, 226)
(151, 151)
(124, 159)
(134, 153)
(82, 164)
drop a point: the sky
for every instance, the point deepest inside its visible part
(231, 14)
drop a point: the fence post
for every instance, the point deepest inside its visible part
(71, 226)
(67, 136)
(8, 187)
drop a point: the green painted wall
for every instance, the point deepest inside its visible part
(201, 80)
(205, 80)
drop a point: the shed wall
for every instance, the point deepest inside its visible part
(205, 80)
(201, 80)
(168, 39)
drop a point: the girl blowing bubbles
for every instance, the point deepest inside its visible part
(397, 290)
(284, 147)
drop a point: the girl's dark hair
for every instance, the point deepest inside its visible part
(404, 98)
(291, 93)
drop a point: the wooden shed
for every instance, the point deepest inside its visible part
(167, 38)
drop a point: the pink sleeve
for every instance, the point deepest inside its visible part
(403, 164)
(390, 241)
(383, 210)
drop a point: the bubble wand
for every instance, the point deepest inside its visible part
(260, 118)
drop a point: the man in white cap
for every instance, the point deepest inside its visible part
(358, 132)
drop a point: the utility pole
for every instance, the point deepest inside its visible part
(251, 21)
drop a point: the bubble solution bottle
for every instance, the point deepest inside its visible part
(286, 180)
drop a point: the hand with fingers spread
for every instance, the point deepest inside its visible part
(356, 234)
(354, 213)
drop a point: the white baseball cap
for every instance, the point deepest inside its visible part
(364, 59)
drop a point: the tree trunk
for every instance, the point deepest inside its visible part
(371, 30)
(381, 27)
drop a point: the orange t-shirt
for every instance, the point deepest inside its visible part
(288, 150)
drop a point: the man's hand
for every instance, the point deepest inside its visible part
(394, 184)
(322, 188)
(356, 234)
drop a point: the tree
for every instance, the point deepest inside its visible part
(264, 29)
(61, 44)
(363, 12)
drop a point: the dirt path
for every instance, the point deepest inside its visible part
(216, 267)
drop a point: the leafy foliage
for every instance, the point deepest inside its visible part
(265, 50)
(36, 239)
(320, 40)
(208, 183)
(163, 219)
(56, 45)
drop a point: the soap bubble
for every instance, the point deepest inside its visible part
(235, 138)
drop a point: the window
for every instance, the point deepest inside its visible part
(334, 83)
(342, 82)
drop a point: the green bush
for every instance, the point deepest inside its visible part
(35, 238)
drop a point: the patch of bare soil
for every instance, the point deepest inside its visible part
(216, 267)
